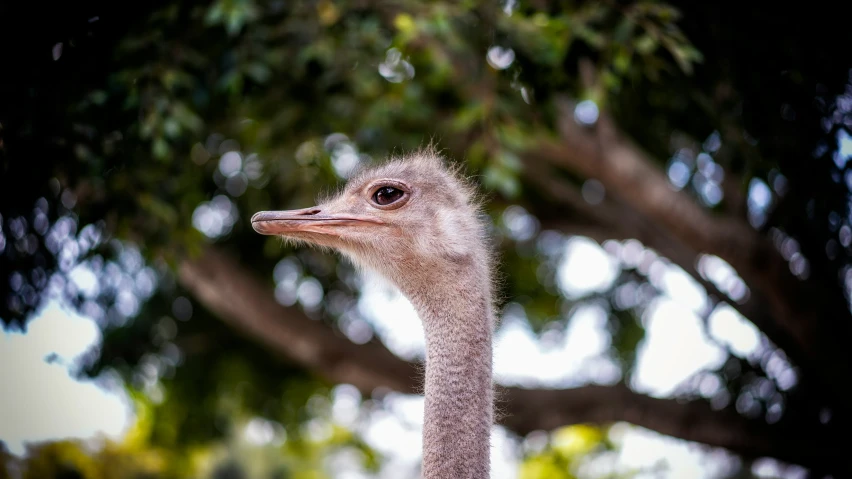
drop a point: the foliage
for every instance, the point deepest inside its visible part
(570, 446)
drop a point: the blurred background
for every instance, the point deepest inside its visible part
(667, 185)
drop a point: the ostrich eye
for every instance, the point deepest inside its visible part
(387, 195)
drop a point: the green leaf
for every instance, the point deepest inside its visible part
(624, 30)
(468, 116)
(160, 149)
(259, 72)
(159, 208)
(621, 62)
(645, 44)
(502, 178)
(171, 127)
(98, 97)
(510, 161)
(214, 14)
(187, 117)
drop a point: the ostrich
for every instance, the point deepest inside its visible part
(416, 222)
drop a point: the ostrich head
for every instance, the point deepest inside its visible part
(412, 219)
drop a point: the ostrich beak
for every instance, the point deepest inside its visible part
(307, 220)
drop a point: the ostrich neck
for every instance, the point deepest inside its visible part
(458, 321)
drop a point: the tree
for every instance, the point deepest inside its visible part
(137, 142)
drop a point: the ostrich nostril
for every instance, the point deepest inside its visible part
(283, 215)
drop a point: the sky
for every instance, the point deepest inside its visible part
(41, 399)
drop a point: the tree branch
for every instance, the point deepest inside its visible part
(695, 420)
(245, 303)
(604, 153)
(241, 301)
(616, 220)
